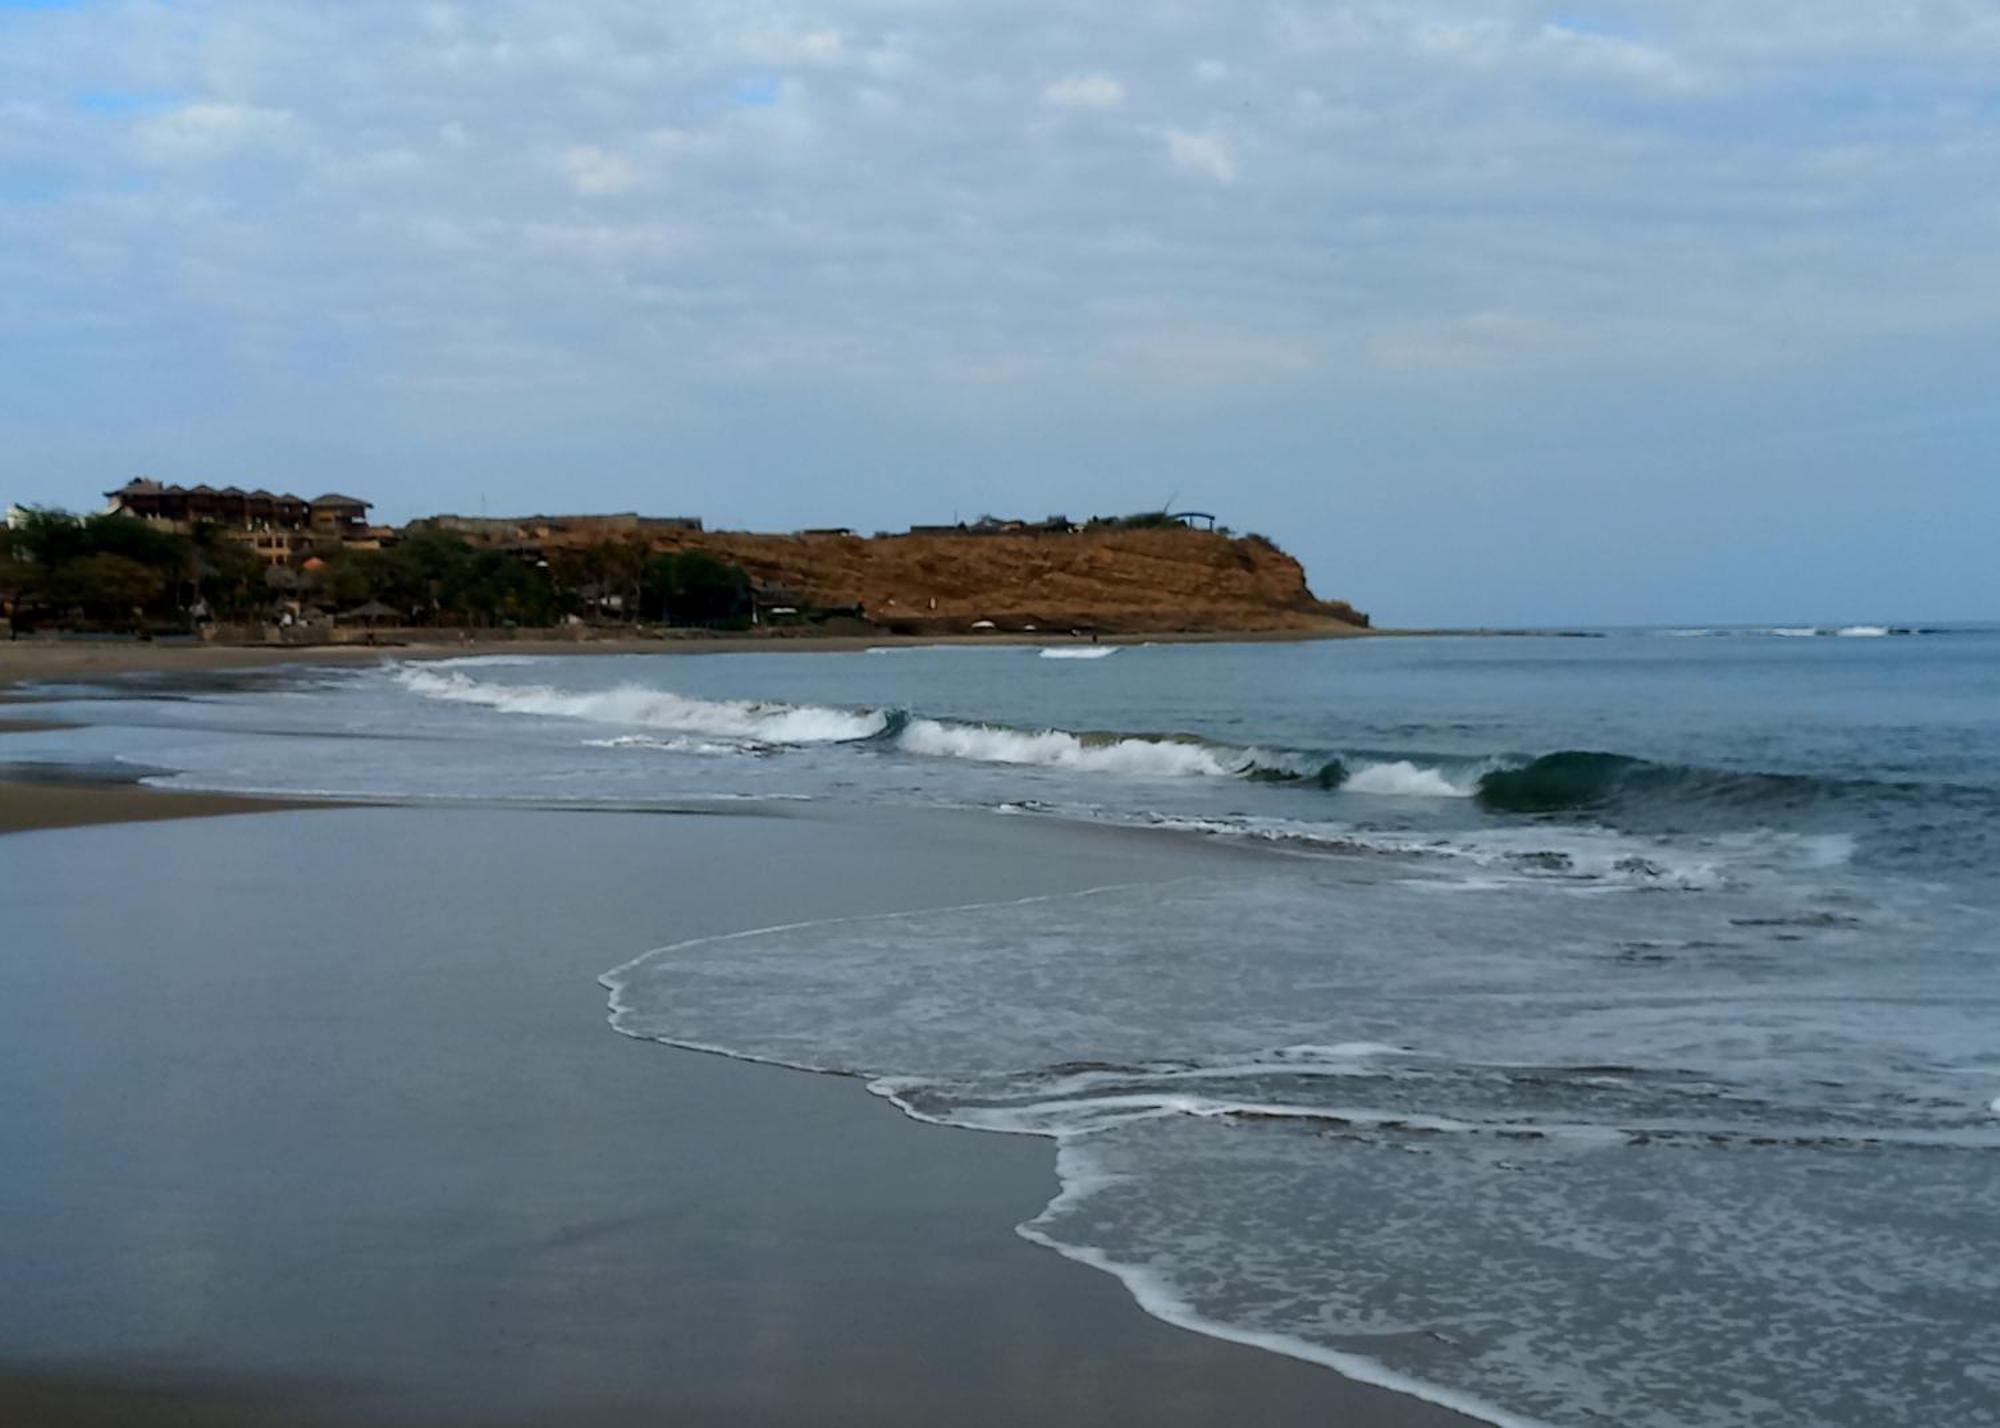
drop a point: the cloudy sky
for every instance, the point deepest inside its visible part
(1492, 310)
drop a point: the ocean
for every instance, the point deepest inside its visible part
(1568, 1030)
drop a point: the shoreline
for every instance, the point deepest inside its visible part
(39, 660)
(109, 805)
(39, 797)
(461, 1197)
(34, 805)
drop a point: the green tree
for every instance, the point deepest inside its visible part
(354, 577)
(695, 587)
(112, 588)
(625, 564)
(227, 573)
(107, 566)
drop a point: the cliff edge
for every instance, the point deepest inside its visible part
(1125, 581)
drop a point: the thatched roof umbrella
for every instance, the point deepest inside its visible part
(373, 613)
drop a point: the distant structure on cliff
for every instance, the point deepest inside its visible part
(513, 529)
(999, 526)
(1063, 525)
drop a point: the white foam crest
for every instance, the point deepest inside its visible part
(1060, 749)
(1073, 1089)
(1862, 631)
(1403, 779)
(1288, 1057)
(1080, 652)
(676, 745)
(632, 704)
(490, 661)
(1801, 632)
(1525, 855)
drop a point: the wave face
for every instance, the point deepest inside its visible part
(1581, 780)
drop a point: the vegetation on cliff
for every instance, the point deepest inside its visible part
(1127, 575)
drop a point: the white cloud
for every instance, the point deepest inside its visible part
(1612, 57)
(1208, 357)
(1206, 155)
(1477, 343)
(793, 46)
(605, 242)
(1086, 91)
(210, 129)
(857, 168)
(599, 173)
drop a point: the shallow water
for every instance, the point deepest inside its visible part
(1611, 1035)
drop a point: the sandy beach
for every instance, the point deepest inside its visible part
(367, 1152)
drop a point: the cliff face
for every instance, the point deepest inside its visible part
(1137, 581)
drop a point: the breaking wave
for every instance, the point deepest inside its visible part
(1802, 632)
(1172, 756)
(678, 744)
(1079, 652)
(1844, 631)
(1403, 779)
(635, 705)
(1161, 756)
(487, 661)
(1569, 781)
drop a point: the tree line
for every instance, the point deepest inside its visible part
(112, 572)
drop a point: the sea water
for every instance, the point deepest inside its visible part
(1609, 1032)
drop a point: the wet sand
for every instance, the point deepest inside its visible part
(314, 1118)
(27, 804)
(33, 797)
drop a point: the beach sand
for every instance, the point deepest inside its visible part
(313, 1117)
(37, 796)
(28, 803)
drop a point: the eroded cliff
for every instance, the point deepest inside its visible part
(1112, 580)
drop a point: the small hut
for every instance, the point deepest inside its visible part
(371, 615)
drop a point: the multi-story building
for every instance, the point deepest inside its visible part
(277, 527)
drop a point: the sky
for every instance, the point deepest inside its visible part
(1492, 311)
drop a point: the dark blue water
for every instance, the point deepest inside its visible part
(1608, 1032)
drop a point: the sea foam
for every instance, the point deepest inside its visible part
(1058, 748)
(1403, 779)
(635, 705)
